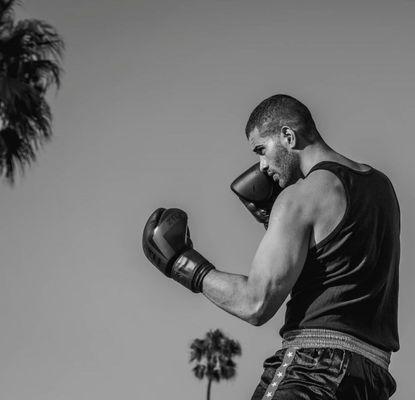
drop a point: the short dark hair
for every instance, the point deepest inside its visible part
(282, 109)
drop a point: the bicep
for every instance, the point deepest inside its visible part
(281, 254)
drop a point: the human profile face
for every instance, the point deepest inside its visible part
(277, 158)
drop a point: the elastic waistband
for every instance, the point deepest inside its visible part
(307, 338)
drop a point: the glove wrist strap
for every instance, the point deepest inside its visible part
(190, 269)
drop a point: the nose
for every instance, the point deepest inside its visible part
(262, 165)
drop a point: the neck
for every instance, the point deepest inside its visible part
(315, 153)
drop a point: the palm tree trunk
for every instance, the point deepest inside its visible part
(208, 389)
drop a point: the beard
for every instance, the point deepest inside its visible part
(288, 167)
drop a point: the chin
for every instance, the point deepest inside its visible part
(281, 183)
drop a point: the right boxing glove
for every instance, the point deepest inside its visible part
(257, 191)
(166, 243)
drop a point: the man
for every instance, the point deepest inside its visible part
(332, 242)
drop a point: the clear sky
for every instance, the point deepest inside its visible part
(152, 111)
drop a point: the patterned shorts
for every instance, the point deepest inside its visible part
(323, 373)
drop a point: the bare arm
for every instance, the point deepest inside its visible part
(275, 268)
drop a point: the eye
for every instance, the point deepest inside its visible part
(259, 150)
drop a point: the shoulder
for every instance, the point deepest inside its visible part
(321, 183)
(320, 192)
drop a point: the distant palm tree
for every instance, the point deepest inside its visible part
(213, 357)
(30, 55)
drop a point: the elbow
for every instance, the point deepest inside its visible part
(257, 317)
(263, 313)
(256, 321)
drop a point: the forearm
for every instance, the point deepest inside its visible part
(231, 293)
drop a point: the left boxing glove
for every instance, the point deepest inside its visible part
(257, 191)
(166, 243)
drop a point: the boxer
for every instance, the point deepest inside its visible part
(332, 244)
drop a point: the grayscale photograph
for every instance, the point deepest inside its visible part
(207, 199)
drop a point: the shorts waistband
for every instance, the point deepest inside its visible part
(308, 338)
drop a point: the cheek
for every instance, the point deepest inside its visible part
(285, 163)
(281, 159)
(276, 157)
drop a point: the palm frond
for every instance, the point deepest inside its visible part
(6, 9)
(197, 350)
(31, 51)
(15, 151)
(45, 72)
(199, 371)
(215, 352)
(228, 369)
(38, 38)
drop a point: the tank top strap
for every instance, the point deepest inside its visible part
(335, 166)
(323, 164)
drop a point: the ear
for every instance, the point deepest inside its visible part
(289, 137)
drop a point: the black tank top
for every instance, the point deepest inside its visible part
(349, 281)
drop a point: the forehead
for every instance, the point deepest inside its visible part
(254, 137)
(260, 135)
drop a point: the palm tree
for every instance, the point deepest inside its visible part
(30, 62)
(213, 357)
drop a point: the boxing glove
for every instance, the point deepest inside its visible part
(167, 245)
(257, 191)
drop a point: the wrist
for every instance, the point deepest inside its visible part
(190, 269)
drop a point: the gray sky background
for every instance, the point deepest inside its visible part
(151, 113)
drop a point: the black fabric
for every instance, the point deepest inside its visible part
(325, 373)
(349, 281)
